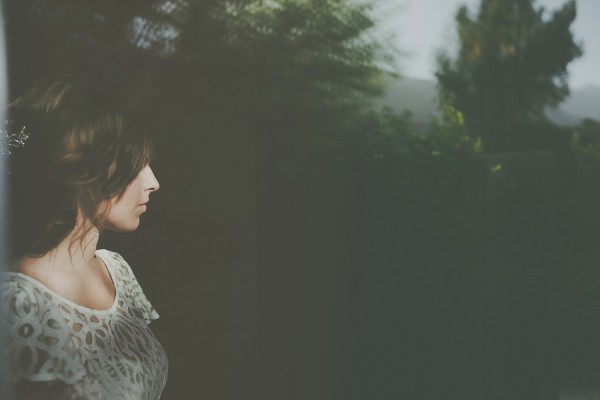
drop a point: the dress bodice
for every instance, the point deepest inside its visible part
(94, 354)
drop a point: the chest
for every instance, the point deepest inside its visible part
(119, 352)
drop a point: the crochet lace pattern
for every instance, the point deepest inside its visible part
(91, 354)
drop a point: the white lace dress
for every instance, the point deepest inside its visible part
(89, 354)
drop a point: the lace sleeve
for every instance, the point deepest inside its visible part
(36, 343)
(133, 289)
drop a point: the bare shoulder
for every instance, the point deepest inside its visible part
(55, 279)
(88, 286)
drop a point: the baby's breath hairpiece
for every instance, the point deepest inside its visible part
(11, 139)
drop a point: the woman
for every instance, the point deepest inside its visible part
(75, 318)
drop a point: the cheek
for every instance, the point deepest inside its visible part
(122, 218)
(114, 209)
(120, 203)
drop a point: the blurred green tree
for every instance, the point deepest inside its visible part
(298, 64)
(296, 61)
(511, 64)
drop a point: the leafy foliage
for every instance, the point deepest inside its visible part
(406, 182)
(585, 147)
(511, 64)
(305, 60)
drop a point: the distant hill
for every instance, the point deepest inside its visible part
(584, 102)
(420, 97)
(416, 95)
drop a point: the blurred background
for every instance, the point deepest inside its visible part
(359, 199)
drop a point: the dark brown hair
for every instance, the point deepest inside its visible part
(81, 151)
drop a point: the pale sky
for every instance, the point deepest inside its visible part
(422, 27)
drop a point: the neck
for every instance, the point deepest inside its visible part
(77, 250)
(73, 252)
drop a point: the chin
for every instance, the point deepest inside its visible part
(124, 227)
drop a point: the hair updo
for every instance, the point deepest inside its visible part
(81, 151)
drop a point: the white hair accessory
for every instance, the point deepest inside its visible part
(10, 140)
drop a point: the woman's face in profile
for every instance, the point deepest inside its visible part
(125, 211)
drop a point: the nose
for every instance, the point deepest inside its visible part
(152, 184)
